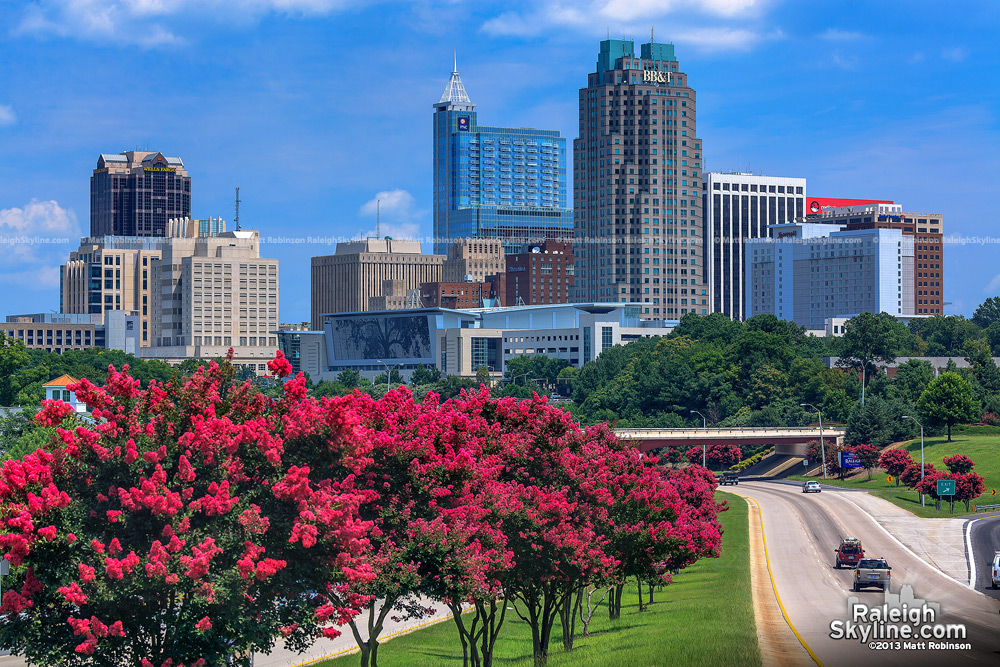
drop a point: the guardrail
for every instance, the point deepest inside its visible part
(985, 508)
(749, 430)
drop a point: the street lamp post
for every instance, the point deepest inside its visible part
(388, 377)
(822, 446)
(921, 453)
(704, 425)
(864, 365)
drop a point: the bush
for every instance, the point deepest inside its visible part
(753, 460)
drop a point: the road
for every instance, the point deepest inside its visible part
(985, 541)
(802, 531)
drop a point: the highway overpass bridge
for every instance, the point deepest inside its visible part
(787, 440)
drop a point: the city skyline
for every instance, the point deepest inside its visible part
(895, 103)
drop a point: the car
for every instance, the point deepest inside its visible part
(872, 572)
(811, 487)
(848, 553)
(995, 570)
(730, 478)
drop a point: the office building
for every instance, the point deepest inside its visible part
(823, 205)
(495, 182)
(213, 293)
(59, 332)
(541, 274)
(926, 231)
(737, 207)
(473, 259)
(810, 272)
(460, 341)
(111, 273)
(486, 294)
(366, 275)
(135, 193)
(638, 184)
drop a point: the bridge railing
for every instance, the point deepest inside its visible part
(734, 431)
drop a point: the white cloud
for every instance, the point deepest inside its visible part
(7, 115)
(138, 22)
(39, 278)
(993, 286)
(956, 54)
(38, 230)
(635, 17)
(835, 35)
(398, 214)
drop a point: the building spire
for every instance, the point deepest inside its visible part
(651, 40)
(454, 92)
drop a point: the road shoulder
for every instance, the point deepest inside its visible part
(778, 644)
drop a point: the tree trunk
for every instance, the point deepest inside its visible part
(456, 614)
(949, 431)
(650, 593)
(639, 582)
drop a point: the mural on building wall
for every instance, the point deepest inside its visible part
(382, 337)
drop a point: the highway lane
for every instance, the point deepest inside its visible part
(985, 540)
(802, 532)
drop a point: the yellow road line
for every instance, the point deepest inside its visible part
(767, 558)
(381, 638)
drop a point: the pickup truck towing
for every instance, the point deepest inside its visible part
(872, 572)
(848, 553)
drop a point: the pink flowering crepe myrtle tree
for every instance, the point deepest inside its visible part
(191, 523)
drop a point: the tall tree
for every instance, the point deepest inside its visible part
(13, 357)
(911, 379)
(988, 312)
(869, 339)
(948, 400)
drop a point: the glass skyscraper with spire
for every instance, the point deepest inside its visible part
(495, 182)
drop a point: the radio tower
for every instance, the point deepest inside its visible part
(236, 218)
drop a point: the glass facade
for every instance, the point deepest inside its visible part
(495, 182)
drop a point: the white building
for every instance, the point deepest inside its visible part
(458, 342)
(811, 272)
(737, 207)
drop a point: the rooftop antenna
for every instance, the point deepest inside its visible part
(378, 218)
(651, 40)
(236, 219)
(455, 66)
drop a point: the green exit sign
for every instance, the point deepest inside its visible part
(946, 487)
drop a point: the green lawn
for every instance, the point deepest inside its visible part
(979, 443)
(704, 618)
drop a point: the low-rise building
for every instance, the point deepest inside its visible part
(460, 341)
(58, 332)
(58, 390)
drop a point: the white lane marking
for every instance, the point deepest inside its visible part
(969, 554)
(906, 548)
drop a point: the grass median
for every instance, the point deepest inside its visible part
(704, 618)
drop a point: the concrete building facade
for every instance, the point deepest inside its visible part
(637, 184)
(495, 182)
(361, 273)
(473, 259)
(737, 207)
(213, 293)
(59, 332)
(810, 272)
(925, 230)
(135, 193)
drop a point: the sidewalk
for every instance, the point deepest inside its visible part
(939, 542)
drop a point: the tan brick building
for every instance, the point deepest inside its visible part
(473, 260)
(375, 274)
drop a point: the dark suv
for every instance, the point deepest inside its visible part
(730, 478)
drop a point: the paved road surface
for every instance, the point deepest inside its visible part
(802, 531)
(985, 541)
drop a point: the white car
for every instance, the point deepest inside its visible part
(995, 570)
(811, 487)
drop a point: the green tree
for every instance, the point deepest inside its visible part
(13, 357)
(425, 375)
(948, 400)
(483, 375)
(988, 312)
(349, 377)
(984, 369)
(869, 339)
(911, 379)
(869, 424)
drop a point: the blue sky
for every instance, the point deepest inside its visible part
(317, 107)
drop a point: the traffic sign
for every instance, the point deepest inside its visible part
(946, 487)
(889, 479)
(994, 492)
